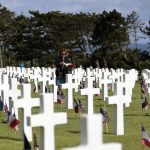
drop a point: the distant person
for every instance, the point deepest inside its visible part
(1, 104)
(63, 66)
(21, 66)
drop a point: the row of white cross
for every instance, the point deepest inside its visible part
(146, 77)
(47, 118)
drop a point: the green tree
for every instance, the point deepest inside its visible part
(146, 31)
(134, 26)
(22, 38)
(83, 30)
(6, 31)
(110, 31)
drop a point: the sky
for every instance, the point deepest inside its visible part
(125, 7)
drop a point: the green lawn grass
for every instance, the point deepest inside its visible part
(68, 135)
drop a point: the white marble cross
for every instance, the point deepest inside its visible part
(120, 72)
(75, 76)
(14, 92)
(128, 86)
(47, 119)
(80, 73)
(4, 87)
(89, 91)
(35, 81)
(52, 81)
(89, 73)
(97, 74)
(146, 77)
(105, 81)
(44, 80)
(113, 77)
(146, 74)
(119, 99)
(34, 76)
(91, 135)
(69, 86)
(26, 102)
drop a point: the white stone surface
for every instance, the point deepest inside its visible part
(47, 119)
(89, 91)
(26, 102)
(119, 99)
(69, 86)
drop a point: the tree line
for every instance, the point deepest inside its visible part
(90, 37)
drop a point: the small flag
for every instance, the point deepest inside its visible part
(34, 88)
(144, 103)
(60, 97)
(82, 85)
(71, 66)
(143, 90)
(105, 115)
(8, 114)
(1, 105)
(143, 87)
(36, 146)
(5, 108)
(27, 145)
(76, 106)
(81, 107)
(142, 83)
(145, 138)
(12, 121)
(46, 89)
(39, 87)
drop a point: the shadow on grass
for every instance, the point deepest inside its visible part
(74, 118)
(10, 138)
(137, 114)
(74, 132)
(135, 98)
(98, 98)
(109, 133)
(146, 114)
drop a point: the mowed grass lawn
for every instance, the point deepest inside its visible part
(68, 135)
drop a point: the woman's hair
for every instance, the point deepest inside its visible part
(63, 50)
